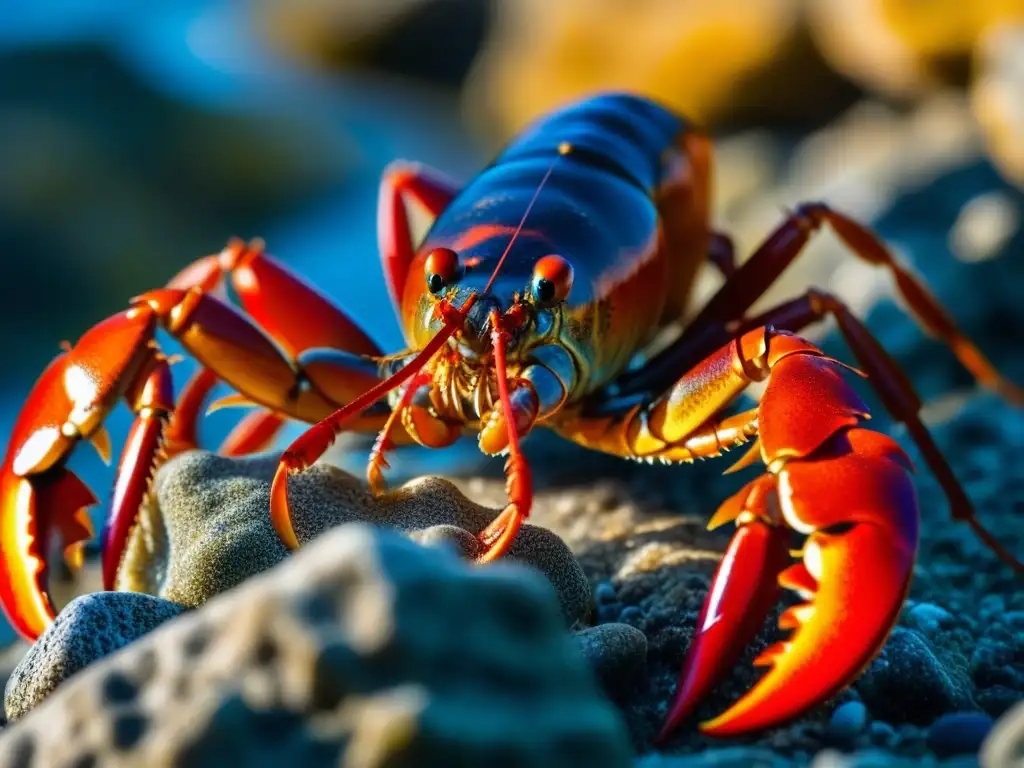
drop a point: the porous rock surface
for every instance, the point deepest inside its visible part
(210, 528)
(365, 649)
(89, 628)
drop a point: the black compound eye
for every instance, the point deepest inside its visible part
(544, 290)
(435, 283)
(552, 279)
(442, 268)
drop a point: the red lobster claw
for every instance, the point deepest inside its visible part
(856, 569)
(849, 491)
(33, 507)
(39, 496)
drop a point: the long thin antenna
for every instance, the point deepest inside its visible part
(522, 223)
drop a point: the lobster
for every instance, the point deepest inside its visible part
(533, 300)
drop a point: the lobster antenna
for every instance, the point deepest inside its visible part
(522, 222)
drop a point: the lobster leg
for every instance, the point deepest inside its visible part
(290, 310)
(861, 541)
(152, 400)
(255, 432)
(411, 197)
(712, 326)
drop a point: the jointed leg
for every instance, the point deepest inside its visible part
(301, 320)
(711, 328)
(407, 191)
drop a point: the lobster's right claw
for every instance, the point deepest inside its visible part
(856, 502)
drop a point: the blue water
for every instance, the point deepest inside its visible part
(203, 53)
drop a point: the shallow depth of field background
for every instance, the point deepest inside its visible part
(137, 137)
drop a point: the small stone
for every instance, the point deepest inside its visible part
(882, 733)
(908, 682)
(928, 618)
(992, 664)
(632, 615)
(847, 721)
(618, 655)
(605, 593)
(608, 613)
(458, 540)
(959, 733)
(991, 607)
(89, 628)
(1014, 620)
(997, 699)
(722, 757)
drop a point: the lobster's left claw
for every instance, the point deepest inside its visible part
(32, 509)
(856, 502)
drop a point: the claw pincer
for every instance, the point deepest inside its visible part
(39, 496)
(845, 488)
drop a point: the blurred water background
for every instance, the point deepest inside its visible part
(135, 138)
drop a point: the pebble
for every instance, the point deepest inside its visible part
(1014, 620)
(605, 593)
(909, 681)
(632, 615)
(847, 721)
(997, 699)
(928, 617)
(882, 733)
(991, 607)
(959, 733)
(617, 654)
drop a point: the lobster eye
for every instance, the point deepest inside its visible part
(442, 269)
(552, 279)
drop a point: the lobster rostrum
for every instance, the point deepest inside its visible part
(529, 301)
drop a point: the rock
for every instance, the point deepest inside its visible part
(604, 594)
(1004, 745)
(928, 618)
(882, 733)
(908, 683)
(362, 649)
(209, 528)
(959, 733)
(89, 628)
(992, 663)
(749, 53)
(618, 655)
(434, 41)
(728, 757)
(847, 721)
(998, 699)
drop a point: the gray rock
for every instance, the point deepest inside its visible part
(618, 655)
(928, 618)
(998, 699)
(209, 529)
(847, 721)
(959, 733)
(908, 682)
(728, 757)
(363, 649)
(1004, 745)
(89, 628)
